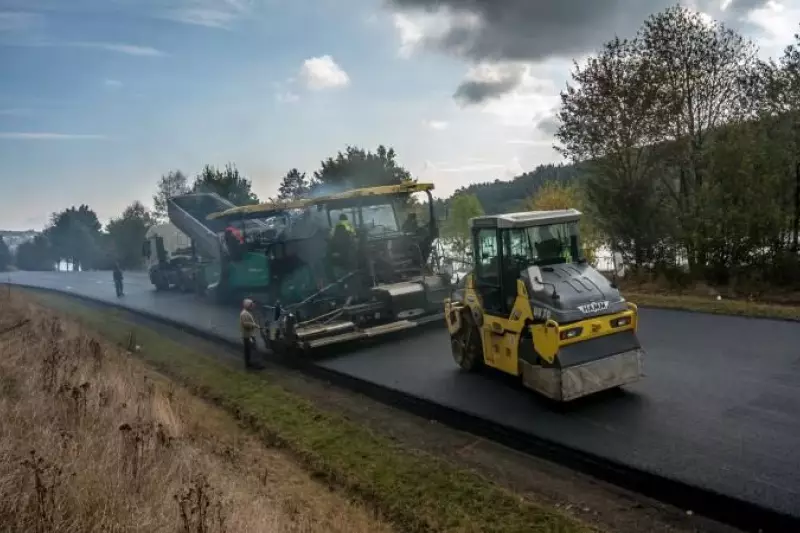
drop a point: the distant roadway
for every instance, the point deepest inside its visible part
(719, 407)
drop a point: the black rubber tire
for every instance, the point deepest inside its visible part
(466, 346)
(158, 281)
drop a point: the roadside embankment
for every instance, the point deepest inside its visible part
(133, 419)
(92, 440)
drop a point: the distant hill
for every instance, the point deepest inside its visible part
(507, 196)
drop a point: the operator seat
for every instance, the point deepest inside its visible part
(548, 247)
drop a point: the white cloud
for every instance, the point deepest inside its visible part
(410, 33)
(777, 25)
(219, 14)
(127, 49)
(323, 73)
(211, 18)
(436, 124)
(112, 83)
(529, 102)
(48, 136)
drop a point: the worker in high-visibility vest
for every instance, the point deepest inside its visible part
(344, 224)
(342, 244)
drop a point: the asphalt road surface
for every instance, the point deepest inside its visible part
(718, 408)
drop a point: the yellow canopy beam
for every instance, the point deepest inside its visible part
(269, 208)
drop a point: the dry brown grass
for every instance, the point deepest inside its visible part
(92, 440)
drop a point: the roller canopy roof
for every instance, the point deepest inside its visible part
(525, 219)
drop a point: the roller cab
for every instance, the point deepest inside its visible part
(534, 308)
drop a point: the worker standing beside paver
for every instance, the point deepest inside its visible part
(248, 326)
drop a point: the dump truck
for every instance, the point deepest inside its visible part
(168, 256)
(387, 280)
(533, 307)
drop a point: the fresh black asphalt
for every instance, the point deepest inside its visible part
(718, 408)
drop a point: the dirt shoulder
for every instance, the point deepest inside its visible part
(714, 305)
(762, 303)
(445, 502)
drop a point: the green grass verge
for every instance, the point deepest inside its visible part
(712, 305)
(415, 491)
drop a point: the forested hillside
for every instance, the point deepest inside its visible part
(505, 196)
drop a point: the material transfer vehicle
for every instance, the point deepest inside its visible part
(533, 307)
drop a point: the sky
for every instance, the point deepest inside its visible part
(99, 98)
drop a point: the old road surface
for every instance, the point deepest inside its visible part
(718, 409)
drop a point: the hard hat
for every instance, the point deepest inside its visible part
(247, 303)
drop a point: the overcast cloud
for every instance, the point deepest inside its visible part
(531, 30)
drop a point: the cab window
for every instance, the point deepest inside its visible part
(541, 245)
(487, 255)
(487, 262)
(377, 218)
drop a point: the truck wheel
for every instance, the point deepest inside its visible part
(159, 283)
(466, 347)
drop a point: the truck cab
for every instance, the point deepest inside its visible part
(169, 257)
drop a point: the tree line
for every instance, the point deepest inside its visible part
(76, 237)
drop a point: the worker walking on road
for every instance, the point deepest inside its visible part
(118, 279)
(249, 326)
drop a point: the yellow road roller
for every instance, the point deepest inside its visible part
(532, 306)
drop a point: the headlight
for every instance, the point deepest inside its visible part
(570, 333)
(621, 321)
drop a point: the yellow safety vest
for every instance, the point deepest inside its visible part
(347, 226)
